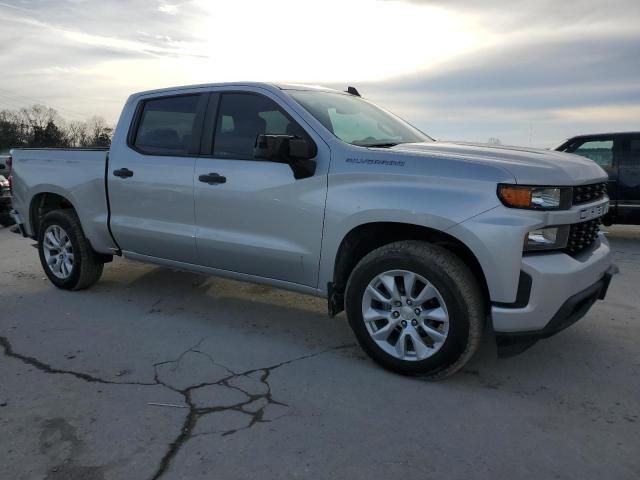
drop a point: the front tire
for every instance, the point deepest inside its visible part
(416, 309)
(65, 253)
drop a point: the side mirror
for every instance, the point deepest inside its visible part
(299, 153)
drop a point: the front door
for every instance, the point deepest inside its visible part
(629, 179)
(150, 179)
(253, 216)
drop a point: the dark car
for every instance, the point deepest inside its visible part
(4, 165)
(619, 155)
(5, 202)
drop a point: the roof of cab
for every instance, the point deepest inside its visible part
(266, 85)
(604, 134)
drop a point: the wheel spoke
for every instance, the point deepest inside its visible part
(65, 241)
(376, 294)
(421, 349)
(427, 293)
(56, 233)
(57, 266)
(382, 334)
(438, 314)
(389, 282)
(401, 345)
(51, 238)
(374, 314)
(409, 279)
(436, 335)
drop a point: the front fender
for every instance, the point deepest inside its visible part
(414, 200)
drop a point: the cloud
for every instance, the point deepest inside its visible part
(168, 9)
(526, 72)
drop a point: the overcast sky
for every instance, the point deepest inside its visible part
(527, 72)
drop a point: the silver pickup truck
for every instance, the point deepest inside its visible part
(422, 242)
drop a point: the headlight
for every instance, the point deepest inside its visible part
(549, 238)
(535, 198)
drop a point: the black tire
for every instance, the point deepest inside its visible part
(87, 267)
(6, 220)
(456, 284)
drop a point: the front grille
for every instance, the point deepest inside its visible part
(589, 193)
(582, 235)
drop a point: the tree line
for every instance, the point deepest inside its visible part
(41, 126)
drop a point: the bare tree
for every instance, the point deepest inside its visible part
(38, 116)
(41, 126)
(99, 132)
(494, 141)
(77, 133)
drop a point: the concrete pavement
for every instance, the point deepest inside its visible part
(260, 383)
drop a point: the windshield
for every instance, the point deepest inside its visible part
(356, 121)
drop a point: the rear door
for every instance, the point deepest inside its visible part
(150, 178)
(629, 179)
(602, 149)
(257, 219)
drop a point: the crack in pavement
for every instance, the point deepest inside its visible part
(195, 413)
(45, 367)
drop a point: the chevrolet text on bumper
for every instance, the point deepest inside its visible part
(421, 242)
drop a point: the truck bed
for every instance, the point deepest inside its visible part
(76, 174)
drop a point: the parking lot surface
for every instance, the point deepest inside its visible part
(155, 373)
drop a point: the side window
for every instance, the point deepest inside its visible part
(600, 151)
(634, 151)
(244, 116)
(167, 125)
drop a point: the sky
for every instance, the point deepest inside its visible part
(529, 73)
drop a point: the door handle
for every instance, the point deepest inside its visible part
(123, 173)
(212, 178)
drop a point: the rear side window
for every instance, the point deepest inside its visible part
(600, 151)
(167, 125)
(634, 148)
(244, 116)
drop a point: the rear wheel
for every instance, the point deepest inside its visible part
(415, 308)
(65, 254)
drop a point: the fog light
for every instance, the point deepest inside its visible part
(550, 238)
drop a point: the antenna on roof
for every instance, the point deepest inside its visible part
(353, 91)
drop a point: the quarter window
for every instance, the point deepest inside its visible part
(166, 125)
(600, 151)
(242, 117)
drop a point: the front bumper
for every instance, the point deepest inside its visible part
(561, 290)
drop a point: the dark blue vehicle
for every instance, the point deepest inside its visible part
(619, 155)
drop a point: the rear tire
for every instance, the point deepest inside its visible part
(6, 220)
(434, 329)
(65, 253)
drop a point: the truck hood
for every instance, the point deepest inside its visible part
(529, 166)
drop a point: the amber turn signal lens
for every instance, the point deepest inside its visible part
(518, 197)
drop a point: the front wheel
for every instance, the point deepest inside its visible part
(65, 254)
(415, 308)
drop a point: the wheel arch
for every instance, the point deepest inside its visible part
(364, 238)
(43, 203)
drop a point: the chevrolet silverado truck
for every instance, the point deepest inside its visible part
(423, 243)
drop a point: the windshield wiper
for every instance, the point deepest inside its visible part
(381, 145)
